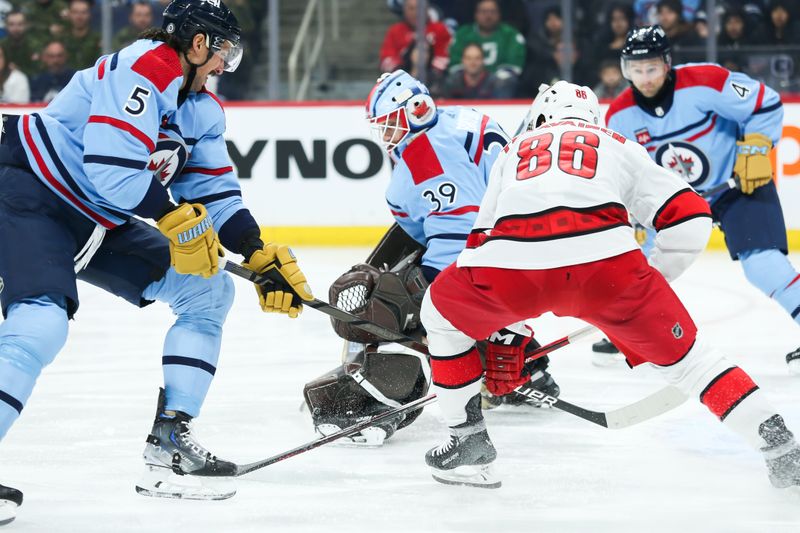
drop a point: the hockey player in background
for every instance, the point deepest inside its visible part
(442, 158)
(553, 234)
(706, 123)
(75, 180)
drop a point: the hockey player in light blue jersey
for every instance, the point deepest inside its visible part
(75, 180)
(709, 124)
(442, 159)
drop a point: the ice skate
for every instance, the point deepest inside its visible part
(369, 437)
(466, 457)
(541, 381)
(782, 453)
(793, 362)
(10, 499)
(177, 466)
(604, 353)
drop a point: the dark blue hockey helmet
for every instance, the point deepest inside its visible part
(645, 43)
(186, 18)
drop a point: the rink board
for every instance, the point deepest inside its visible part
(312, 175)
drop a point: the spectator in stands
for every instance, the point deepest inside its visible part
(503, 46)
(83, 43)
(56, 74)
(609, 42)
(681, 33)
(20, 46)
(46, 18)
(611, 81)
(735, 31)
(434, 79)
(140, 18)
(399, 37)
(474, 81)
(781, 27)
(646, 11)
(14, 88)
(701, 24)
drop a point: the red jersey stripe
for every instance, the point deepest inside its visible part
(122, 125)
(398, 214)
(683, 206)
(101, 69)
(207, 171)
(760, 98)
(479, 150)
(34, 150)
(161, 66)
(705, 131)
(455, 212)
(561, 222)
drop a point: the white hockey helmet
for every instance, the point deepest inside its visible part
(398, 106)
(563, 101)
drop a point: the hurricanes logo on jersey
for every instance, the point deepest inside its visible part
(686, 160)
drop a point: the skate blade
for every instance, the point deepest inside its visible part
(794, 367)
(481, 476)
(368, 438)
(8, 512)
(161, 482)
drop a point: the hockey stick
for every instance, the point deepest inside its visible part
(415, 343)
(560, 343)
(732, 183)
(346, 432)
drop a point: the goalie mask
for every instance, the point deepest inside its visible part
(398, 107)
(564, 101)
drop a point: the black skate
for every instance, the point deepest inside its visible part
(541, 381)
(793, 361)
(604, 353)
(466, 456)
(782, 453)
(176, 465)
(369, 437)
(10, 499)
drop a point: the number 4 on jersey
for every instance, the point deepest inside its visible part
(577, 154)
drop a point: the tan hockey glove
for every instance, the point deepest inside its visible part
(752, 162)
(193, 244)
(289, 286)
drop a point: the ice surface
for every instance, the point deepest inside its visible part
(76, 451)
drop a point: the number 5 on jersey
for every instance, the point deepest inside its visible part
(137, 101)
(577, 154)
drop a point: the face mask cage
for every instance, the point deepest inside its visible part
(390, 129)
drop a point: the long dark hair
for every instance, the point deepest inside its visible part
(159, 34)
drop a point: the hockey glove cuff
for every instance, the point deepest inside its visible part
(505, 362)
(193, 244)
(752, 162)
(287, 286)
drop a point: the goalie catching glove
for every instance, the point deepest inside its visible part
(505, 361)
(288, 286)
(193, 244)
(752, 162)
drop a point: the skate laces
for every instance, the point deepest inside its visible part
(188, 440)
(446, 447)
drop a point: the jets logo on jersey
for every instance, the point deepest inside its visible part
(686, 160)
(642, 136)
(168, 159)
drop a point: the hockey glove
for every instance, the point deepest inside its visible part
(505, 362)
(193, 244)
(752, 162)
(287, 287)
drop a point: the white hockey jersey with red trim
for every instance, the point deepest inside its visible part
(561, 195)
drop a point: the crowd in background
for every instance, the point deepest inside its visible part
(480, 49)
(44, 42)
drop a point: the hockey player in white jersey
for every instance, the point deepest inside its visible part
(553, 234)
(706, 123)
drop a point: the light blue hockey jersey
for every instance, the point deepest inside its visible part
(439, 181)
(92, 143)
(694, 133)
